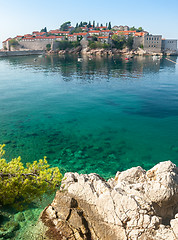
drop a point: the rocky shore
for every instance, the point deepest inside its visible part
(136, 204)
(106, 52)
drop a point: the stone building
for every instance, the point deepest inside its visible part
(169, 45)
(152, 43)
(39, 43)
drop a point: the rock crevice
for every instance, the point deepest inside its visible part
(135, 205)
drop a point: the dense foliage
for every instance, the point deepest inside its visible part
(95, 44)
(13, 42)
(120, 42)
(48, 47)
(44, 30)
(65, 26)
(63, 45)
(19, 184)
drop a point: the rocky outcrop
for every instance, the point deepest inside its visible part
(136, 204)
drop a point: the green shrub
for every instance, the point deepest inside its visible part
(19, 184)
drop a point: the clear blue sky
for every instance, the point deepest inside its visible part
(21, 17)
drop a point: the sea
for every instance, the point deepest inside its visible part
(99, 115)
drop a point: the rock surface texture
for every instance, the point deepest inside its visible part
(136, 204)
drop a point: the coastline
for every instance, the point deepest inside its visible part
(21, 53)
(86, 52)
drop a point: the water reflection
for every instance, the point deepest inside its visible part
(91, 69)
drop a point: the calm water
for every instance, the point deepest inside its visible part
(93, 116)
(100, 116)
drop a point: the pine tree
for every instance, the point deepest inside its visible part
(93, 24)
(109, 26)
(21, 184)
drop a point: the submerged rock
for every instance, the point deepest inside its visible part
(136, 204)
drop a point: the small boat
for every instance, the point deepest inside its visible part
(156, 58)
(79, 59)
(127, 58)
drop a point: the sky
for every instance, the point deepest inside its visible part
(22, 17)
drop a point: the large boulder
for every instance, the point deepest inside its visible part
(136, 204)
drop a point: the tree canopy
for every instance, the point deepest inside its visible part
(20, 185)
(65, 26)
(44, 30)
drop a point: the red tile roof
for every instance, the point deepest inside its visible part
(7, 40)
(40, 33)
(58, 31)
(94, 31)
(81, 34)
(42, 37)
(102, 37)
(105, 31)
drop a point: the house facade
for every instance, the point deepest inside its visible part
(169, 45)
(39, 42)
(152, 43)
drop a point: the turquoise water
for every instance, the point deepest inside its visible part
(97, 116)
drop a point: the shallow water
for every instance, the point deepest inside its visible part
(99, 115)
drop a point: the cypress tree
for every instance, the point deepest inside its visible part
(93, 24)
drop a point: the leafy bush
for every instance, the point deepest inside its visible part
(19, 184)
(13, 42)
(63, 45)
(48, 47)
(94, 45)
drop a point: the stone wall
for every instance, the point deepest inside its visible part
(169, 45)
(20, 53)
(35, 45)
(137, 42)
(152, 43)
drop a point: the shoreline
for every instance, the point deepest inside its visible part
(86, 52)
(21, 53)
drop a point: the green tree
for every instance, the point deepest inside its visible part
(140, 29)
(129, 42)
(76, 25)
(118, 41)
(13, 43)
(133, 29)
(20, 185)
(93, 24)
(80, 25)
(48, 47)
(89, 25)
(65, 26)
(44, 30)
(109, 26)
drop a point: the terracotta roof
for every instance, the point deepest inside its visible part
(126, 31)
(42, 37)
(102, 37)
(40, 33)
(140, 34)
(7, 40)
(95, 31)
(105, 31)
(27, 35)
(58, 31)
(80, 34)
